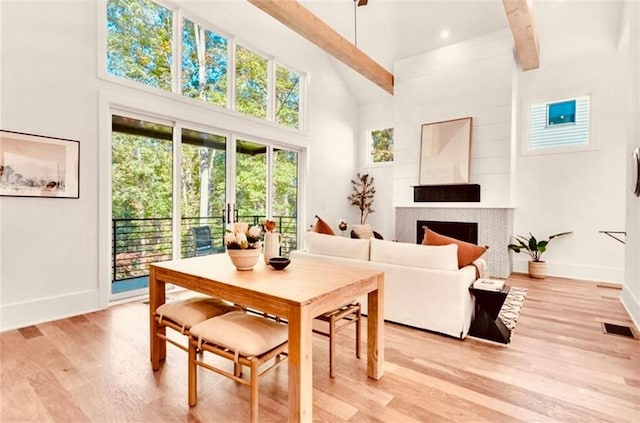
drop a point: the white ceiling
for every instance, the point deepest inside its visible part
(391, 30)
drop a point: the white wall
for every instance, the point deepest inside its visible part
(49, 248)
(584, 191)
(631, 288)
(471, 78)
(377, 115)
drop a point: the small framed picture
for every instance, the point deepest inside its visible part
(38, 166)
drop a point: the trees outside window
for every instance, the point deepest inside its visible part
(204, 64)
(140, 48)
(139, 34)
(287, 97)
(251, 83)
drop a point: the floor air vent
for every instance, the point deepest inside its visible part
(611, 329)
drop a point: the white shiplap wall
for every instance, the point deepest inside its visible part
(473, 78)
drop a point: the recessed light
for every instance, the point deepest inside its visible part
(444, 34)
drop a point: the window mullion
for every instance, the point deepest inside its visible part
(176, 66)
(231, 74)
(271, 90)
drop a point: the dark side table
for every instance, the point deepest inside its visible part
(486, 324)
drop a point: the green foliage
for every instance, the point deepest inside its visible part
(362, 196)
(251, 184)
(251, 83)
(139, 35)
(530, 245)
(139, 48)
(285, 183)
(204, 64)
(287, 97)
(382, 145)
(141, 177)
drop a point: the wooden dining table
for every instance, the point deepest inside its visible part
(302, 291)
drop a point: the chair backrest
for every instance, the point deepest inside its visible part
(202, 240)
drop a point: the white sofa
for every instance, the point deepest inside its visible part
(423, 286)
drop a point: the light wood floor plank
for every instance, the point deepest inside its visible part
(560, 367)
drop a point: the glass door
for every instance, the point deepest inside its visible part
(284, 197)
(251, 182)
(202, 193)
(141, 201)
(163, 211)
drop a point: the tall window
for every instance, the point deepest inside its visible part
(287, 97)
(381, 146)
(559, 124)
(139, 36)
(251, 83)
(204, 64)
(140, 48)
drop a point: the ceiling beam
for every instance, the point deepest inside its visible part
(298, 18)
(525, 35)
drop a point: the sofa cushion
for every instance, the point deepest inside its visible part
(322, 227)
(443, 257)
(337, 246)
(363, 231)
(467, 252)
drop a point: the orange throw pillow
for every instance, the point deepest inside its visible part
(467, 252)
(322, 227)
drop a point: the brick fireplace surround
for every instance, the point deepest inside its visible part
(494, 229)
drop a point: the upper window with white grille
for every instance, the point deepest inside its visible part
(559, 124)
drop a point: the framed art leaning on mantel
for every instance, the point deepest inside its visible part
(445, 152)
(38, 166)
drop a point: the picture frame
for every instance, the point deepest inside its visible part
(38, 166)
(445, 152)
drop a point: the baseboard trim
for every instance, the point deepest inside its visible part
(632, 306)
(19, 315)
(576, 271)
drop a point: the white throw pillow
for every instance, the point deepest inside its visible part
(439, 257)
(333, 245)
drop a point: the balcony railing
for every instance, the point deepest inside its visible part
(138, 242)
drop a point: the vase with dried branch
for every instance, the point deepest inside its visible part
(363, 195)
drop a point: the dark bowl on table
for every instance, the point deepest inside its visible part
(279, 263)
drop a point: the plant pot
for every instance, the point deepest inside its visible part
(244, 259)
(538, 269)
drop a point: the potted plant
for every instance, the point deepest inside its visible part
(535, 248)
(362, 196)
(243, 244)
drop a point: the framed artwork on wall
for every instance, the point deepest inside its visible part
(445, 152)
(38, 166)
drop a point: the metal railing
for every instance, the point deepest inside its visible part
(138, 242)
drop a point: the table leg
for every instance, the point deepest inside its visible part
(157, 346)
(300, 365)
(375, 331)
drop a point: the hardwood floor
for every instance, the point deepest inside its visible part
(559, 367)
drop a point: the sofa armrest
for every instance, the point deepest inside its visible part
(482, 270)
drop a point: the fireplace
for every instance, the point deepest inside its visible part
(494, 228)
(464, 231)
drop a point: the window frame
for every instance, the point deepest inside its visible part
(179, 14)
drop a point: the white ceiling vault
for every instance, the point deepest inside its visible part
(391, 30)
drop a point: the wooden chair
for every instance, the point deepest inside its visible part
(247, 340)
(182, 315)
(338, 320)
